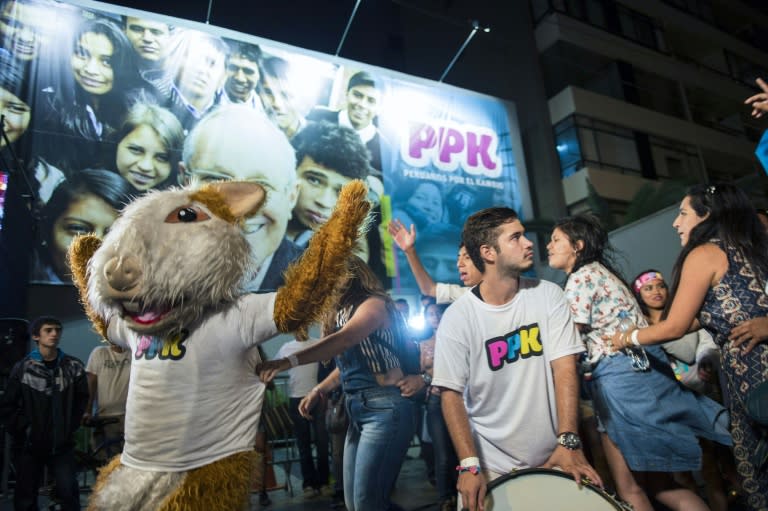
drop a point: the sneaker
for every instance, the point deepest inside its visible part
(264, 500)
(327, 490)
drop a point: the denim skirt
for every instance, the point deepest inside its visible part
(652, 418)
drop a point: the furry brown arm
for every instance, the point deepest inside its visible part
(79, 253)
(312, 283)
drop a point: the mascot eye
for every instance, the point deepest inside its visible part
(186, 214)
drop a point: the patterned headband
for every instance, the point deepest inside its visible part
(645, 278)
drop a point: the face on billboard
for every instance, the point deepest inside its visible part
(220, 156)
(428, 199)
(20, 29)
(149, 38)
(92, 63)
(142, 158)
(16, 114)
(242, 77)
(362, 105)
(86, 214)
(278, 98)
(319, 188)
(203, 71)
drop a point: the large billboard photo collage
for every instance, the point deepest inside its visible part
(103, 104)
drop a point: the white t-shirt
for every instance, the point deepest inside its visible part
(112, 370)
(499, 357)
(448, 293)
(197, 400)
(301, 379)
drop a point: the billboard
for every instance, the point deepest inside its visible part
(112, 103)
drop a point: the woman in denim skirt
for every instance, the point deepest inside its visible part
(648, 422)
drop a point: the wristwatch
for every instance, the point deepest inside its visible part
(569, 440)
(427, 378)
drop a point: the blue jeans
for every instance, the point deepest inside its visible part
(380, 430)
(445, 455)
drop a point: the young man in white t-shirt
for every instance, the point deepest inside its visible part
(108, 370)
(505, 358)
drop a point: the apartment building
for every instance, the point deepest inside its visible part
(651, 92)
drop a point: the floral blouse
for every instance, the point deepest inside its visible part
(596, 296)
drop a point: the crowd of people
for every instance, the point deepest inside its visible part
(513, 362)
(620, 384)
(673, 366)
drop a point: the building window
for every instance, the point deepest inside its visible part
(582, 141)
(568, 147)
(606, 15)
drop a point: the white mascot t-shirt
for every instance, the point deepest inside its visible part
(197, 399)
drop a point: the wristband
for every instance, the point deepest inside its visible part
(293, 360)
(634, 337)
(470, 462)
(474, 469)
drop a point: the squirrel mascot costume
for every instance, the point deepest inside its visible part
(166, 282)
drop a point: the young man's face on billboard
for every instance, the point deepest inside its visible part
(149, 38)
(242, 77)
(319, 188)
(362, 105)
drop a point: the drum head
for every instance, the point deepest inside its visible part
(539, 489)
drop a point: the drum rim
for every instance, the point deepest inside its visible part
(525, 471)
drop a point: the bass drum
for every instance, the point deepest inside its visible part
(542, 489)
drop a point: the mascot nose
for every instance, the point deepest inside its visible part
(123, 273)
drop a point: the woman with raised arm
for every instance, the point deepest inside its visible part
(719, 284)
(648, 423)
(366, 335)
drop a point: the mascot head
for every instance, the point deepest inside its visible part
(173, 254)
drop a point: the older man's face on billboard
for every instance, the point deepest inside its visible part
(223, 156)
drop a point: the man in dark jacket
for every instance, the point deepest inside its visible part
(42, 406)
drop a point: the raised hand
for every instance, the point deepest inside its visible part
(759, 102)
(404, 238)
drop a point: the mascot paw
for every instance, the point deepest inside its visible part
(311, 283)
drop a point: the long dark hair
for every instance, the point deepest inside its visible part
(732, 220)
(72, 99)
(104, 184)
(361, 284)
(597, 247)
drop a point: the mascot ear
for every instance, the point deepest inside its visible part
(81, 251)
(243, 199)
